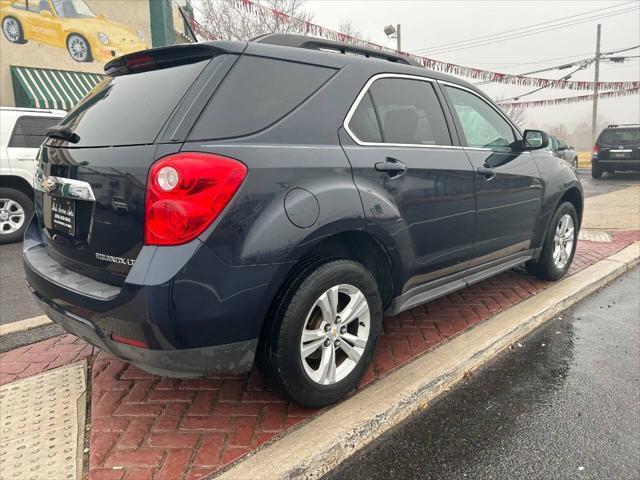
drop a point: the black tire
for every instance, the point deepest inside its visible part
(545, 267)
(26, 203)
(596, 171)
(75, 39)
(281, 359)
(19, 39)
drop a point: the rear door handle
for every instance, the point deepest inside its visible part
(392, 167)
(487, 172)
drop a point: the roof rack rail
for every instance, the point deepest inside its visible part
(623, 125)
(313, 43)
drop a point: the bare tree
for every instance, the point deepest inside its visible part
(347, 28)
(581, 136)
(233, 20)
(516, 114)
(559, 131)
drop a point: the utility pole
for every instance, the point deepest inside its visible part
(594, 117)
(398, 38)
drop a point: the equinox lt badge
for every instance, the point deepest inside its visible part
(112, 259)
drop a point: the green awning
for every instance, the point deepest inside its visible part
(48, 88)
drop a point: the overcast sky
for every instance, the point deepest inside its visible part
(429, 23)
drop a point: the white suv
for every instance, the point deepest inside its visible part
(21, 133)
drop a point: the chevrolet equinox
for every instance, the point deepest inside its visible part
(212, 204)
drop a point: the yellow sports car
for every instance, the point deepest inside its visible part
(68, 24)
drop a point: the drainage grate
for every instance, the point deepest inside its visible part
(41, 425)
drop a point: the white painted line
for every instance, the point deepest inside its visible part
(22, 325)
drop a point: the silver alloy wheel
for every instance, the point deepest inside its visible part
(563, 241)
(11, 216)
(335, 334)
(11, 29)
(78, 48)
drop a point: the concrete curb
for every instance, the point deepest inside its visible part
(320, 445)
(23, 325)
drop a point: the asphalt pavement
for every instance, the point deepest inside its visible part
(563, 403)
(16, 302)
(608, 183)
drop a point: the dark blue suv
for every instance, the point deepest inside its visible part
(213, 204)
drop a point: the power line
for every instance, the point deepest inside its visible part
(584, 65)
(535, 32)
(566, 77)
(585, 62)
(491, 35)
(533, 62)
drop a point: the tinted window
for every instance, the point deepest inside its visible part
(409, 112)
(364, 123)
(131, 109)
(34, 5)
(257, 93)
(620, 136)
(562, 144)
(483, 126)
(29, 131)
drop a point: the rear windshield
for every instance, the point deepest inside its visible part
(130, 109)
(257, 93)
(620, 136)
(29, 131)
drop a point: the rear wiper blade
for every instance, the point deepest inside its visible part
(63, 133)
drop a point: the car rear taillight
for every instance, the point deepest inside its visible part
(185, 194)
(596, 149)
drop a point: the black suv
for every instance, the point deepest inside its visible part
(617, 148)
(275, 199)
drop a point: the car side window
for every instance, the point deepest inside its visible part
(35, 6)
(271, 89)
(483, 126)
(364, 123)
(409, 112)
(29, 131)
(553, 146)
(562, 144)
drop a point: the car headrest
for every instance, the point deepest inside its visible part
(400, 126)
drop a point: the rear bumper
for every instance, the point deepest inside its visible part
(197, 315)
(631, 164)
(234, 358)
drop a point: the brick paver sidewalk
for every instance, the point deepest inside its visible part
(148, 427)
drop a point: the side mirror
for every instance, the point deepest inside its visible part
(535, 140)
(571, 147)
(46, 13)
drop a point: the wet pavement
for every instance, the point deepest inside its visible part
(608, 182)
(563, 403)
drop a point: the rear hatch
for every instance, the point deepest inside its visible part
(619, 143)
(92, 180)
